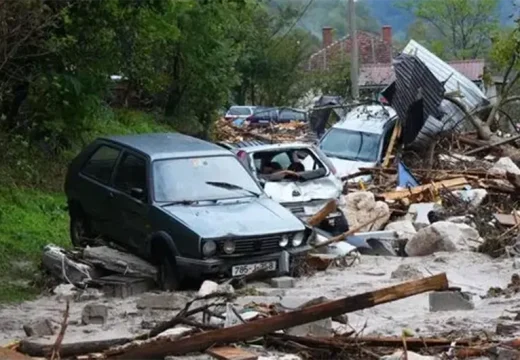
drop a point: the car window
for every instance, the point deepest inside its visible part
(351, 145)
(131, 174)
(101, 164)
(202, 178)
(283, 159)
(239, 111)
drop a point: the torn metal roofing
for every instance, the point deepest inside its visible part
(472, 96)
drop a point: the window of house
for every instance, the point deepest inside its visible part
(101, 164)
(131, 174)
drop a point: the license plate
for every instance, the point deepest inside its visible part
(240, 270)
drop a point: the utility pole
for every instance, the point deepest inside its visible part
(354, 57)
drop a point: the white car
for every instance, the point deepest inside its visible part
(298, 176)
(238, 114)
(359, 140)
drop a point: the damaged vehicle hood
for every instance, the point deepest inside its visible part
(289, 192)
(347, 167)
(247, 217)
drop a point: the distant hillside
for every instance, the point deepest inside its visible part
(371, 14)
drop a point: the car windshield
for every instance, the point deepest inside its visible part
(239, 111)
(351, 145)
(194, 179)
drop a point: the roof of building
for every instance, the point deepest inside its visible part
(167, 145)
(383, 74)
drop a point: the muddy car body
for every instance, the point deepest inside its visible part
(187, 205)
(303, 192)
(359, 140)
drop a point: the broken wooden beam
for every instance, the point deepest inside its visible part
(202, 341)
(322, 214)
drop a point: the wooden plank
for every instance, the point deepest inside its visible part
(321, 215)
(231, 353)
(201, 341)
(450, 184)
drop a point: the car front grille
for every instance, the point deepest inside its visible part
(254, 245)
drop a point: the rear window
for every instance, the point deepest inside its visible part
(101, 164)
(239, 111)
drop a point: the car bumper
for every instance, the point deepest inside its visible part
(223, 266)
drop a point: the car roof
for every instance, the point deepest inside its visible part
(257, 146)
(367, 118)
(167, 145)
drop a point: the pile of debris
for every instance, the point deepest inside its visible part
(293, 131)
(210, 322)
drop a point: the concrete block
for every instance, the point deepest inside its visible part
(94, 314)
(449, 301)
(121, 286)
(41, 327)
(162, 301)
(284, 282)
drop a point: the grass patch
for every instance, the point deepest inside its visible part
(29, 220)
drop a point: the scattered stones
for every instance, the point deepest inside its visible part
(94, 314)
(162, 301)
(284, 282)
(442, 236)
(503, 166)
(406, 272)
(41, 327)
(209, 287)
(449, 300)
(403, 228)
(361, 207)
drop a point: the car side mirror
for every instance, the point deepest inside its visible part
(137, 193)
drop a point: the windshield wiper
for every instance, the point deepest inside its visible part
(180, 202)
(229, 186)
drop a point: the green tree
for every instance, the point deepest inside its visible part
(462, 26)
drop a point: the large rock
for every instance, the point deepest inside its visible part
(442, 236)
(403, 228)
(503, 166)
(361, 207)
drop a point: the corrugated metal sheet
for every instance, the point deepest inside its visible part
(472, 96)
(417, 95)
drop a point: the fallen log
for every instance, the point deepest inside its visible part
(202, 341)
(321, 215)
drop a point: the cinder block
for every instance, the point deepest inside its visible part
(284, 282)
(449, 301)
(94, 314)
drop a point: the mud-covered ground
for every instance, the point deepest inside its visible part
(474, 273)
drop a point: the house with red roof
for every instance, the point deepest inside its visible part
(375, 58)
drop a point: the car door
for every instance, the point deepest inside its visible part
(132, 200)
(96, 195)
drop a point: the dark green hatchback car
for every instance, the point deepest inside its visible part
(187, 205)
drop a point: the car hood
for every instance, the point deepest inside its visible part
(348, 167)
(319, 189)
(250, 217)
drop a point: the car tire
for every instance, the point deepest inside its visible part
(169, 279)
(80, 231)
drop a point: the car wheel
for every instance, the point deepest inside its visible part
(79, 230)
(168, 274)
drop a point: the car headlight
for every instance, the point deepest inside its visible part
(228, 247)
(297, 239)
(209, 248)
(284, 241)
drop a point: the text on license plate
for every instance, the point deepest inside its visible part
(247, 269)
